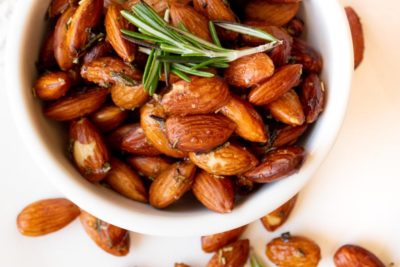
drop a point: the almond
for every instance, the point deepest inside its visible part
(46, 216)
(243, 186)
(46, 56)
(158, 5)
(304, 54)
(277, 164)
(229, 159)
(129, 97)
(62, 53)
(135, 142)
(288, 109)
(114, 139)
(110, 238)
(77, 105)
(249, 71)
(172, 184)
(289, 251)
(150, 167)
(108, 118)
(279, 216)
(285, 1)
(152, 120)
(88, 150)
(232, 255)
(214, 192)
(125, 181)
(101, 49)
(356, 256)
(313, 97)
(212, 243)
(288, 135)
(52, 85)
(57, 7)
(249, 124)
(356, 34)
(181, 265)
(295, 27)
(281, 82)
(114, 23)
(276, 14)
(198, 133)
(200, 96)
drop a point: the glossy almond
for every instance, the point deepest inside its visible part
(158, 5)
(88, 150)
(249, 124)
(212, 243)
(110, 238)
(128, 97)
(356, 34)
(64, 56)
(313, 97)
(125, 181)
(229, 159)
(200, 96)
(276, 14)
(304, 54)
(288, 109)
(279, 216)
(108, 118)
(214, 192)
(249, 71)
(277, 164)
(77, 105)
(295, 27)
(135, 142)
(46, 56)
(46, 216)
(151, 167)
(288, 135)
(232, 255)
(101, 49)
(289, 251)
(57, 7)
(114, 23)
(281, 82)
(356, 256)
(52, 85)
(172, 184)
(152, 120)
(114, 139)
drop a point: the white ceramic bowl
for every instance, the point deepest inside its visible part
(327, 31)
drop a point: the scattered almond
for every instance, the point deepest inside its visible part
(288, 109)
(279, 216)
(52, 85)
(356, 256)
(276, 14)
(212, 243)
(232, 255)
(356, 34)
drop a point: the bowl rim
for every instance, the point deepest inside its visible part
(156, 224)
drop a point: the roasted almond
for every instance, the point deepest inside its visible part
(295, 27)
(64, 56)
(77, 105)
(172, 184)
(313, 97)
(57, 7)
(88, 150)
(280, 83)
(181, 265)
(284, 1)
(277, 164)
(287, 109)
(249, 71)
(135, 142)
(289, 251)
(200, 96)
(108, 118)
(46, 56)
(114, 139)
(249, 124)
(114, 23)
(243, 186)
(356, 256)
(125, 181)
(232, 255)
(198, 133)
(229, 159)
(151, 167)
(212, 243)
(214, 192)
(279, 216)
(52, 85)
(128, 97)
(288, 135)
(356, 34)
(110, 238)
(158, 5)
(101, 49)
(276, 14)
(46, 216)
(304, 54)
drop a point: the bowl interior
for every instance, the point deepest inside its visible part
(327, 32)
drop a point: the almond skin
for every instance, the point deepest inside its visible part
(214, 192)
(151, 167)
(62, 53)
(212, 243)
(114, 139)
(172, 184)
(200, 96)
(229, 159)
(288, 109)
(110, 238)
(125, 181)
(46, 216)
(129, 97)
(249, 124)
(289, 251)
(288, 135)
(46, 56)
(312, 97)
(271, 13)
(279, 216)
(77, 105)
(272, 89)
(356, 34)
(57, 7)
(232, 255)
(249, 71)
(198, 133)
(52, 85)
(356, 256)
(158, 5)
(108, 118)
(101, 49)
(135, 142)
(295, 27)
(304, 54)
(89, 151)
(277, 164)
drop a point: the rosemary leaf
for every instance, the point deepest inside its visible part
(213, 33)
(243, 29)
(189, 70)
(180, 74)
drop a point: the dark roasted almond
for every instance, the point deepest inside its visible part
(304, 54)
(312, 97)
(135, 142)
(356, 256)
(356, 34)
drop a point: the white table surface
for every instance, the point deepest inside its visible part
(354, 197)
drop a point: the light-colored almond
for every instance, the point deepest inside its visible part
(211, 243)
(232, 255)
(279, 216)
(52, 85)
(128, 97)
(356, 256)
(276, 14)
(135, 142)
(151, 167)
(356, 34)
(288, 109)
(108, 118)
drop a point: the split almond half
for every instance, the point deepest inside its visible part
(279, 216)
(212, 243)
(234, 254)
